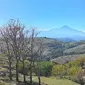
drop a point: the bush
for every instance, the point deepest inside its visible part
(58, 70)
(73, 71)
(45, 68)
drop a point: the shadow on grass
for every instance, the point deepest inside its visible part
(27, 83)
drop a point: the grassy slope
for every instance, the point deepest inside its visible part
(64, 59)
(54, 81)
(76, 50)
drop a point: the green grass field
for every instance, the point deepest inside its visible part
(54, 81)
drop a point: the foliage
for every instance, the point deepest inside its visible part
(70, 69)
(74, 70)
(58, 70)
(45, 68)
(20, 67)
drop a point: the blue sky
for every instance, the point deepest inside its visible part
(44, 14)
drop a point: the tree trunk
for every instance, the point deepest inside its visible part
(39, 80)
(10, 63)
(31, 77)
(17, 76)
(10, 70)
(30, 74)
(24, 76)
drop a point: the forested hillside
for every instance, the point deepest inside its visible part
(55, 48)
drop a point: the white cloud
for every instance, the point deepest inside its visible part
(83, 30)
(43, 29)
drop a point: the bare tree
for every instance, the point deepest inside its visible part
(40, 52)
(24, 50)
(21, 47)
(7, 50)
(32, 41)
(14, 31)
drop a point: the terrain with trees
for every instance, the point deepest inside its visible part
(24, 56)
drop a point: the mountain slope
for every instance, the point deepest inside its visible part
(65, 59)
(76, 50)
(54, 48)
(63, 32)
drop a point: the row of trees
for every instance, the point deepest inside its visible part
(19, 45)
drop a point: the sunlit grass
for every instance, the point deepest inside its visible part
(54, 81)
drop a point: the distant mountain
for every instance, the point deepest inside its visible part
(66, 39)
(64, 32)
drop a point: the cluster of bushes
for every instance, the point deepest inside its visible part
(70, 69)
(73, 70)
(44, 66)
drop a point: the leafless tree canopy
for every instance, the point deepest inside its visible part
(19, 45)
